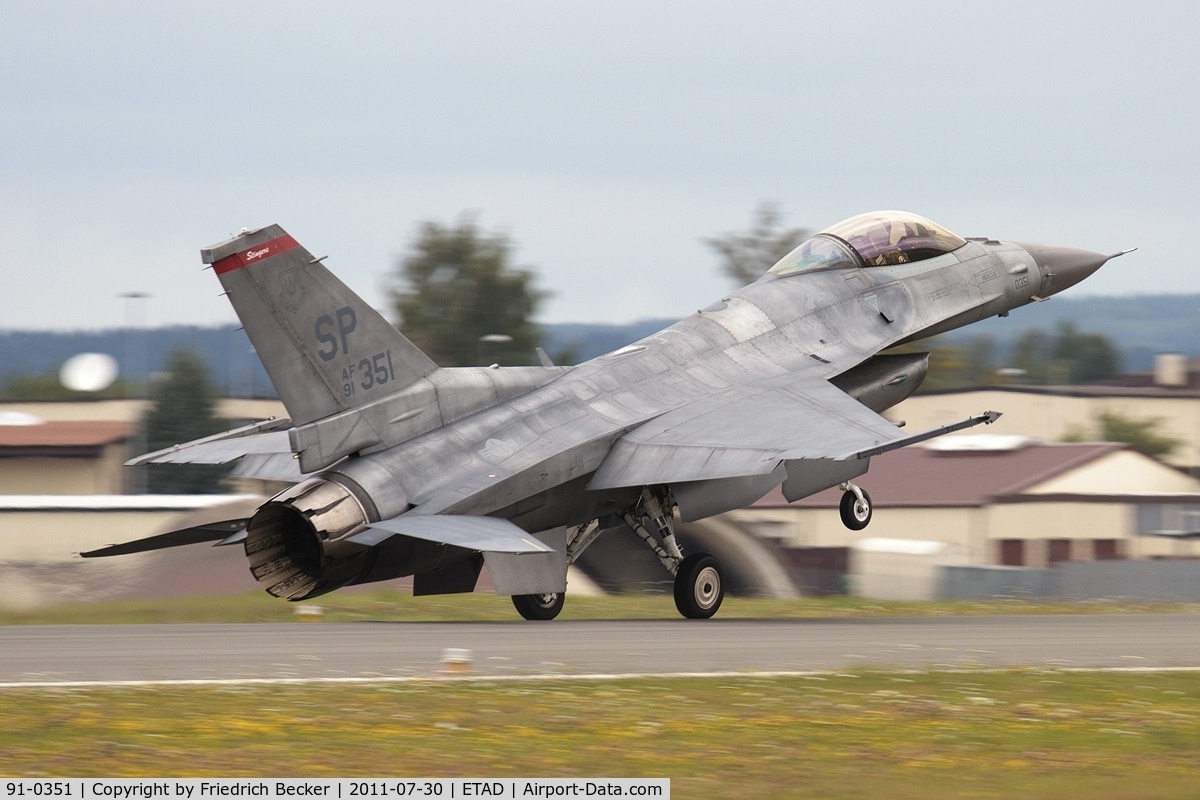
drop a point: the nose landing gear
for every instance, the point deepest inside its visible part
(855, 507)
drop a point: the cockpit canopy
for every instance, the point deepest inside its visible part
(875, 239)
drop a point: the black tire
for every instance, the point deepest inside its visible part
(699, 586)
(539, 606)
(856, 516)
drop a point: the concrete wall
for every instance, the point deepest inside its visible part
(1177, 581)
(991, 583)
(1141, 580)
(40, 546)
(132, 410)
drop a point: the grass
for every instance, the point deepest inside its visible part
(1029, 734)
(392, 605)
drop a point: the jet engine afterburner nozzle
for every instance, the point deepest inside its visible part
(294, 542)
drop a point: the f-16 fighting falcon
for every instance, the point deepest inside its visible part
(400, 467)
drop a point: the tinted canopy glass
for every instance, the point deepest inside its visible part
(894, 237)
(819, 252)
(875, 239)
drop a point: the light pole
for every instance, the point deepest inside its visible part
(489, 346)
(135, 313)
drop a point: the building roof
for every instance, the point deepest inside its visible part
(61, 437)
(1082, 390)
(929, 476)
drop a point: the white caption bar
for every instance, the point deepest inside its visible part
(332, 788)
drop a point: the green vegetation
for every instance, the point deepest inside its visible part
(456, 287)
(182, 408)
(399, 606)
(745, 257)
(1140, 434)
(1028, 734)
(1068, 356)
(47, 386)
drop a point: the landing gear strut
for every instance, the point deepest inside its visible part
(699, 588)
(855, 507)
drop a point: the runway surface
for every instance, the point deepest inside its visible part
(366, 649)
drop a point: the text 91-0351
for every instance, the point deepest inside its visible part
(335, 788)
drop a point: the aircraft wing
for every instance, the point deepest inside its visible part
(748, 430)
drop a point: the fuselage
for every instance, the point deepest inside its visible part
(528, 458)
(531, 445)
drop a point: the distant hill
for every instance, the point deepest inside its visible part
(232, 361)
(1139, 326)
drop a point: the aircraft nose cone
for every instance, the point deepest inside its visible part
(1063, 267)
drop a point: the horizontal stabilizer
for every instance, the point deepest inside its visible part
(485, 534)
(267, 436)
(233, 538)
(212, 532)
(218, 523)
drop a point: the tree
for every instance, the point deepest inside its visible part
(48, 386)
(1068, 356)
(182, 408)
(1092, 356)
(955, 365)
(1140, 434)
(456, 287)
(747, 256)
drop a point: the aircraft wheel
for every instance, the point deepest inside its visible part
(856, 515)
(699, 588)
(539, 606)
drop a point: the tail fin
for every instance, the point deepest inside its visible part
(325, 349)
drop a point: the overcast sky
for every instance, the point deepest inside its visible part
(606, 138)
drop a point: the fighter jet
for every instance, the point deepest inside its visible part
(402, 468)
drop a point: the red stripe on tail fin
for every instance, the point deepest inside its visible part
(258, 252)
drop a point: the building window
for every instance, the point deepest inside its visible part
(1060, 550)
(1159, 519)
(1106, 550)
(1012, 552)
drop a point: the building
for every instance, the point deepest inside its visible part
(61, 457)
(80, 447)
(1006, 501)
(1169, 394)
(62, 491)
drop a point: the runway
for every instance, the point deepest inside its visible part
(367, 650)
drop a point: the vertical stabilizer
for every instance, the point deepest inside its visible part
(325, 349)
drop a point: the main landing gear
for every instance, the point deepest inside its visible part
(699, 584)
(855, 507)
